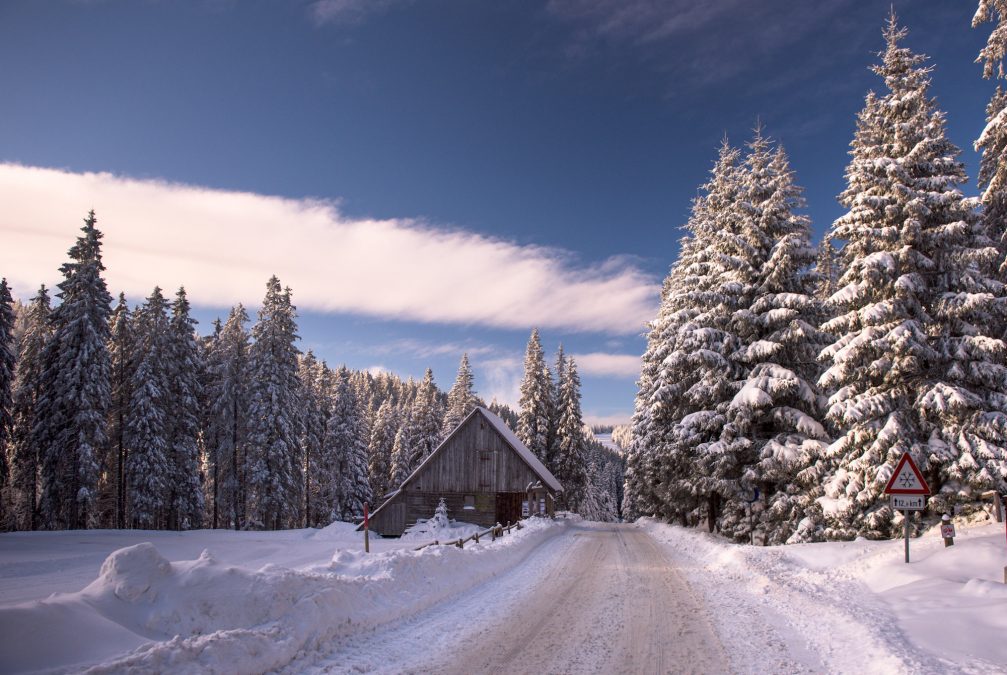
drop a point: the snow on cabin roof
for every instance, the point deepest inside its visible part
(527, 455)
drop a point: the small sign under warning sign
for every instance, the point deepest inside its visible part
(909, 502)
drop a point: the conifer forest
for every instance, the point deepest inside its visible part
(125, 417)
(782, 378)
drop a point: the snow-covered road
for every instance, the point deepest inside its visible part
(601, 598)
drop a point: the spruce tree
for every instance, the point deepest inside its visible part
(380, 449)
(148, 459)
(345, 439)
(678, 469)
(227, 422)
(122, 357)
(25, 458)
(184, 367)
(400, 455)
(314, 415)
(273, 455)
(6, 387)
(426, 419)
(912, 370)
(773, 429)
(75, 392)
(569, 458)
(536, 404)
(461, 398)
(992, 142)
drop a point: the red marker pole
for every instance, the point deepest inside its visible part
(367, 539)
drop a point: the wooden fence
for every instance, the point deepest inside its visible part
(497, 530)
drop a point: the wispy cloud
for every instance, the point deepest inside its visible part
(503, 379)
(223, 246)
(721, 38)
(608, 365)
(429, 348)
(613, 419)
(348, 11)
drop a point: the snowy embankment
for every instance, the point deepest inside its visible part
(204, 615)
(853, 607)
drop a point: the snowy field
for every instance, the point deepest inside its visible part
(312, 601)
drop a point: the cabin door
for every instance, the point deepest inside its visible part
(509, 506)
(487, 471)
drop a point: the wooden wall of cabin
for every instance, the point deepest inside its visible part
(422, 504)
(476, 459)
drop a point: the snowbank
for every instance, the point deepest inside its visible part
(204, 615)
(853, 607)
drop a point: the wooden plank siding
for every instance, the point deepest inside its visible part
(475, 461)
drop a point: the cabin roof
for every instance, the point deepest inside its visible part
(520, 448)
(533, 462)
(527, 455)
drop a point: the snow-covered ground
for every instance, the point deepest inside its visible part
(853, 607)
(311, 600)
(262, 601)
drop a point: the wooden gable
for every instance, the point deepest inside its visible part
(481, 470)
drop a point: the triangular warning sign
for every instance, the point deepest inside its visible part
(907, 479)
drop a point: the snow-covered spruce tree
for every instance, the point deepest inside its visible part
(345, 439)
(25, 459)
(461, 398)
(535, 402)
(226, 425)
(122, 357)
(657, 404)
(913, 281)
(569, 459)
(400, 454)
(272, 455)
(75, 392)
(379, 450)
(185, 494)
(426, 420)
(992, 142)
(689, 369)
(773, 430)
(148, 462)
(6, 387)
(314, 414)
(504, 412)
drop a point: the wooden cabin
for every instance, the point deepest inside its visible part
(484, 474)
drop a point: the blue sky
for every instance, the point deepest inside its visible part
(469, 168)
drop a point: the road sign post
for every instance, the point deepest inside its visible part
(947, 530)
(909, 491)
(367, 538)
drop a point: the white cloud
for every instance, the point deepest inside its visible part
(608, 365)
(611, 419)
(347, 11)
(224, 245)
(428, 348)
(503, 379)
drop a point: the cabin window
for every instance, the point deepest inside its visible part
(470, 503)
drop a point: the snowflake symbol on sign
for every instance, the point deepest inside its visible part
(907, 479)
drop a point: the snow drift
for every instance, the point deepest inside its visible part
(146, 612)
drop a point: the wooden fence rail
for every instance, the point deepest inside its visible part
(497, 530)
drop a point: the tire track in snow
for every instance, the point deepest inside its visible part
(600, 599)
